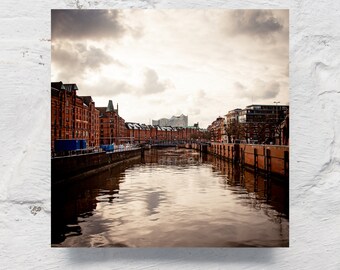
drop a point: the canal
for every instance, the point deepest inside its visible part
(171, 198)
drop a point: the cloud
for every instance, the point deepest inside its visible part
(194, 111)
(259, 90)
(201, 94)
(270, 90)
(258, 23)
(152, 84)
(233, 56)
(74, 60)
(286, 72)
(239, 87)
(86, 24)
(198, 104)
(107, 87)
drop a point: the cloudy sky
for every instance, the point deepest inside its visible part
(159, 63)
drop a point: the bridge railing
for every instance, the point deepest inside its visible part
(174, 142)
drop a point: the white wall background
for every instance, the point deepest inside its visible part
(25, 154)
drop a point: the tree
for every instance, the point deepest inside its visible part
(234, 130)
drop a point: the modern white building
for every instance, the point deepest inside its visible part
(174, 121)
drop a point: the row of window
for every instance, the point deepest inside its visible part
(78, 117)
(80, 134)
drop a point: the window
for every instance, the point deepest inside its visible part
(242, 119)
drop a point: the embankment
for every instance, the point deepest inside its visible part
(67, 167)
(269, 159)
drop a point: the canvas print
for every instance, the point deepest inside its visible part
(170, 128)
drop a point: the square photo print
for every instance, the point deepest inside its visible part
(170, 128)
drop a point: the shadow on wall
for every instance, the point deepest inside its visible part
(172, 255)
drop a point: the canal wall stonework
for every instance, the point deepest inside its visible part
(272, 159)
(69, 166)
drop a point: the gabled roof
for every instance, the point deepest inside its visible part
(144, 127)
(58, 85)
(102, 111)
(168, 128)
(86, 99)
(71, 87)
(131, 125)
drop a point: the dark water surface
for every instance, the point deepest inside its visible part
(171, 198)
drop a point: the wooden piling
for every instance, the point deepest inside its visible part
(237, 153)
(256, 165)
(286, 163)
(232, 154)
(268, 164)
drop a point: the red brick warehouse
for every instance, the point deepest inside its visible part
(72, 116)
(112, 126)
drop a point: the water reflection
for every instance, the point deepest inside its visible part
(171, 197)
(74, 203)
(264, 191)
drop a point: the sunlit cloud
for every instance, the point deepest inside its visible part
(156, 63)
(258, 90)
(152, 83)
(73, 60)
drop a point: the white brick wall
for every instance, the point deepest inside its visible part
(25, 130)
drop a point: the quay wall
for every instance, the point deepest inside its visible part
(273, 159)
(69, 166)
